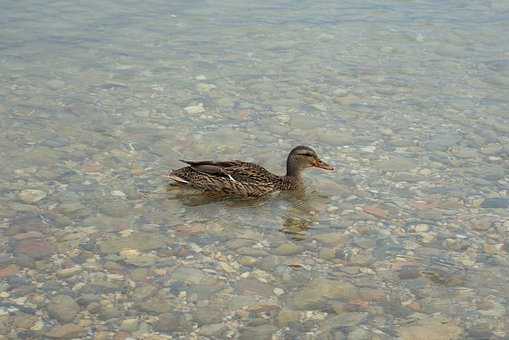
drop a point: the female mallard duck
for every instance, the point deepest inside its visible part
(243, 179)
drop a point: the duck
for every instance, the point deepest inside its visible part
(244, 179)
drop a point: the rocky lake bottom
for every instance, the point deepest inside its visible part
(408, 239)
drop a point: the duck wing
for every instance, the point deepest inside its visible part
(222, 169)
(230, 177)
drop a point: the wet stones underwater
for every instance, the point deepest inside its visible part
(407, 239)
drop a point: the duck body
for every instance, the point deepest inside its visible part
(244, 179)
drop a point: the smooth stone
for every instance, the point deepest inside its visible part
(31, 196)
(247, 260)
(495, 203)
(253, 286)
(359, 334)
(140, 241)
(204, 87)
(109, 312)
(67, 331)
(286, 249)
(212, 329)
(431, 328)
(327, 253)
(409, 273)
(443, 141)
(333, 239)
(130, 325)
(263, 332)
(345, 320)
(23, 321)
(157, 305)
(68, 272)
(421, 228)
(208, 315)
(288, 316)
(115, 208)
(34, 248)
(134, 257)
(63, 308)
(172, 322)
(248, 251)
(195, 109)
(193, 276)
(319, 291)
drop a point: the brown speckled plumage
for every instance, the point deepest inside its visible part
(238, 178)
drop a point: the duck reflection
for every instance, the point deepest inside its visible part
(301, 209)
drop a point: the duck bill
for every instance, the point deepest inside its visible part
(322, 165)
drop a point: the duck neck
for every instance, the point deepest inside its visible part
(292, 170)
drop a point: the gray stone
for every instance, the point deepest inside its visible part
(63, 308)
(157, 305)
(139, 241)
(194, 276)
(431, 328)
(286, 249)
(67, 331)
(172, 322)
(130, 325)
(287, 316)
(263, 332)
(319, 291)
(31, 196)
(345, 320)
(495, 203)
(208, 315)
(212, 329)
(443, 141)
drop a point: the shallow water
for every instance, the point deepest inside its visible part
(408, 238)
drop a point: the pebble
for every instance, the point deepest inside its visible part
(195, 109)
(495, 203)
(421, 228)
(286, 249)
(31, 196)
(172, 322)
(212, 330)
(67, 331)
(69, 272)
(375, 211)
(118, 193)
(287, 317)
(431, 328)
(129, 325)
(278, 291)
(34, 248)
(318, 291)
(63, 308)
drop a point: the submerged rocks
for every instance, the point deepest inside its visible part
(31, 196)
(67, 331)
(431, 328)
(495, 203)
(319, 291)
(139, 241)
(172, 322)
(63, 308)
(34, 248)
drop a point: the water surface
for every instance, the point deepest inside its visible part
(409, 100)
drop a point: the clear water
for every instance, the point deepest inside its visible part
(409, 100)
